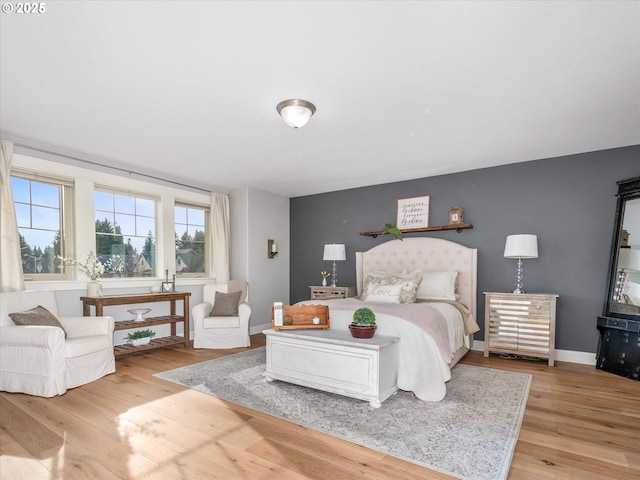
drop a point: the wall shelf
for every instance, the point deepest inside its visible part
(457, 228)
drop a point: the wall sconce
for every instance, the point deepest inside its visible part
(521, 246)
(272, 249)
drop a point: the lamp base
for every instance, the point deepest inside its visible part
(334, 275)
(519, 290)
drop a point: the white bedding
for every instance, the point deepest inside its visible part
(424, 361)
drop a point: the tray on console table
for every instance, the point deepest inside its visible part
(173, 318)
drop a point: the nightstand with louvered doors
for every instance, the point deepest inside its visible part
(327, 293)
(520, 324)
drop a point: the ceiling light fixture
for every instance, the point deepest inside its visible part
(296, 113)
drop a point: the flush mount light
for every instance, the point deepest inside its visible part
(296, 113)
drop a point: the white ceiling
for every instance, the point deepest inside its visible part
(403, 90)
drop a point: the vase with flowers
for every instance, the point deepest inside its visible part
(324, 277)
(92, 268)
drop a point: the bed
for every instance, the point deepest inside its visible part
(436, 330)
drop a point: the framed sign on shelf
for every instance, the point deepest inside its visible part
(413, 212)
(455, 216)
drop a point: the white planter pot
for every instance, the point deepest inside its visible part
(94, 289)
(136, 342)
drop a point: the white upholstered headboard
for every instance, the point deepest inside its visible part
(427, 254)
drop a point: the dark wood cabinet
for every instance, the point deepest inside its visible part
(619, 344)
(619, 347)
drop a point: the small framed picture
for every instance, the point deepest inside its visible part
(413, 212)
(167, 287)
(455, 216)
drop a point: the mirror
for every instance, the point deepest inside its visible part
(623, 299)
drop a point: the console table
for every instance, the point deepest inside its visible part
(334, 361)
(173, 318)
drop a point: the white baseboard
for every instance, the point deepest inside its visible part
(572, 356)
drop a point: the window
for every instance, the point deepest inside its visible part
(43, 207)
(125, 233)
(191, 240)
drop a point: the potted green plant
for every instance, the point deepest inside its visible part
(363, 324)
(140, 337)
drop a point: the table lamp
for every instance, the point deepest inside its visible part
(521, 246)
(334, 252)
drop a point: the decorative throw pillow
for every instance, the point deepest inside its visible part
(383, 293)
(37, 316)
(438, 286)
(225, 304)
(374, 278)
(409, 283)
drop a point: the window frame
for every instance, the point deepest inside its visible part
(67, 231)
(102, 188)
(207, 237)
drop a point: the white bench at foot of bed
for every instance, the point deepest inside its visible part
(334, 361)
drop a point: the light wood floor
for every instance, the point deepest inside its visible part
(580, 423)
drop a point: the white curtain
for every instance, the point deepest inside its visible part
(11, 277)
(220, 236)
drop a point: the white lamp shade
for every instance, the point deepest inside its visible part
(334, 251)
(521, 246)
(629, 260)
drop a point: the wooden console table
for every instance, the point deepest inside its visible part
(173, 318)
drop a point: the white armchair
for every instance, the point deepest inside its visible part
(39, 360)
(221, 331)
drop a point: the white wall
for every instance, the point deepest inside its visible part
(257, 217)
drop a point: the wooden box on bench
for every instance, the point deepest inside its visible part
(301, 316)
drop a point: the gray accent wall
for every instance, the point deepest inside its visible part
(568, 202)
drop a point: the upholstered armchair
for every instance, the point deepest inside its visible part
(222, 319)
(41, 360)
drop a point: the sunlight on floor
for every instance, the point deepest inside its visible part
(158, 446)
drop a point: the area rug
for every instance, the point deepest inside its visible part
(471, 434)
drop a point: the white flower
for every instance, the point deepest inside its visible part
(92, 267)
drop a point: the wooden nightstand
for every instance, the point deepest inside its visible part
(327, 293)
(521, 324)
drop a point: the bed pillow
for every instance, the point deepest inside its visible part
(226, 304)
(438, 286)
(409, 285)
(383, 293)
(37, 316)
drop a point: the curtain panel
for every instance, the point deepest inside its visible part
(11, 276)
(220, 236)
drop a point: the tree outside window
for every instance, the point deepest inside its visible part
(191, 240)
